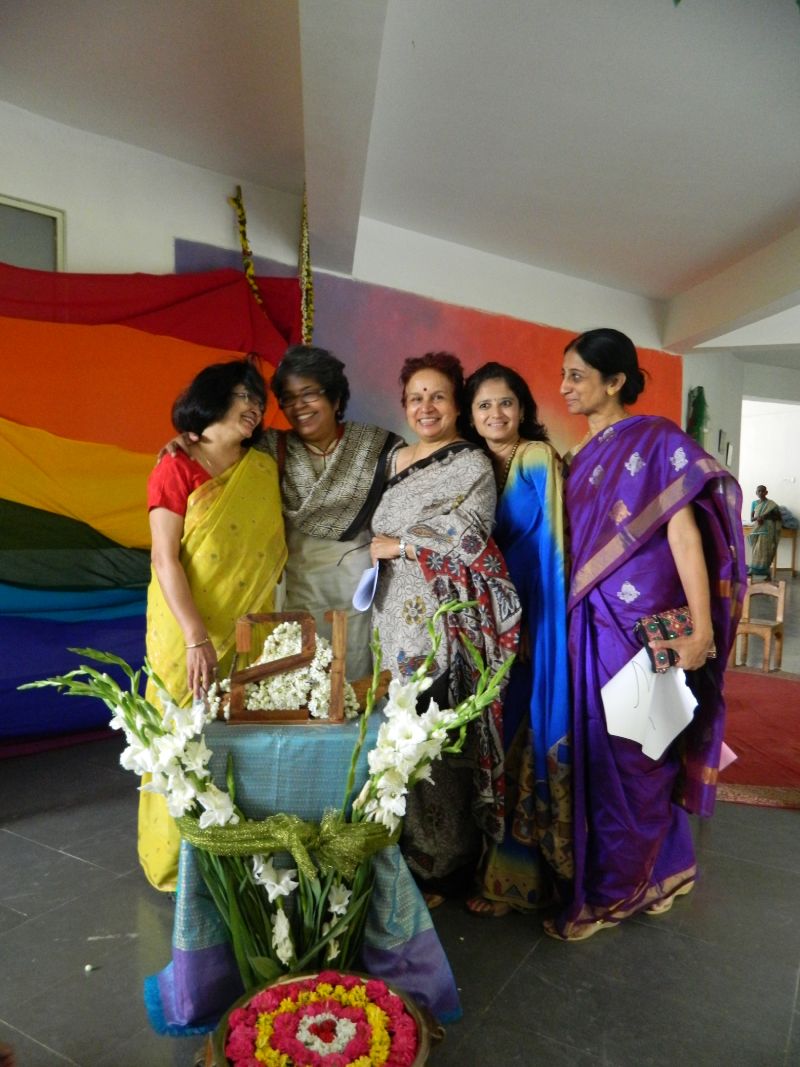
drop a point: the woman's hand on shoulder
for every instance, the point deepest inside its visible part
(181, 443)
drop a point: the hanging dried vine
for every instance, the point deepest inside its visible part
(237, 203)
(306, 278)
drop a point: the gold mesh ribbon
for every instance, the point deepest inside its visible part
(306, 278)
(335, 844)
(237, 203)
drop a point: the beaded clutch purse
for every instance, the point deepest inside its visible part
(665, 625)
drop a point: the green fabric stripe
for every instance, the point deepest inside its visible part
(39, 549)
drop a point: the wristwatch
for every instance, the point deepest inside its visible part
(402, 547)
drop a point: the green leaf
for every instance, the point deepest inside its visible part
(266, 968)
(229, 778)
(104, 657)
(477, 658)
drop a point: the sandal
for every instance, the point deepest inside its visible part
(582, 934)
(433, 900)
(487, 909)
(661, 907)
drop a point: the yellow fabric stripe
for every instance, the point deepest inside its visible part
(101, 485)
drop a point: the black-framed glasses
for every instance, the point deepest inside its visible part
(308, 396)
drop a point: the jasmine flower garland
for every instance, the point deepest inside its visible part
(308, 686)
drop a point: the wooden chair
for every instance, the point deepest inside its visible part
(770, 631)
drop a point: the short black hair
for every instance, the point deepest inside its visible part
(611, 352)
(207, 398)
(321, 366)
(529, 427)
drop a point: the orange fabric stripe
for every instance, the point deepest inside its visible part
(108, 384)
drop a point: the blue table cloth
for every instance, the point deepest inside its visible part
(300, 769)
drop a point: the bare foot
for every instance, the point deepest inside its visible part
(487, 909)
(433, 900)
(581, 934)
(661, 907)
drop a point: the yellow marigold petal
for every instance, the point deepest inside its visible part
(380, 1044)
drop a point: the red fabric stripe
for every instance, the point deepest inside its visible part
(212, 308)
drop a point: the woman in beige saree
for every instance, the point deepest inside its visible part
(765, 516)
(218, 552)
(332, 473)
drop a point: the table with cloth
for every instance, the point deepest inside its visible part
(302, 770)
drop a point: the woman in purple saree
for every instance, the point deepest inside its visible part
(655, 524)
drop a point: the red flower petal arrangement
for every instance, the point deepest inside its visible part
(330, 1019)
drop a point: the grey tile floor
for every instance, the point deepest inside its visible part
(713, 982)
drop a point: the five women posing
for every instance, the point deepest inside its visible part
(562, 811)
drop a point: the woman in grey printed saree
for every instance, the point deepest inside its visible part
(432, 535)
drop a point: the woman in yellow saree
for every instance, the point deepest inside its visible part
(218, 552)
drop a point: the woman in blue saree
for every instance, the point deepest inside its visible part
(655, 524)
(532, 867)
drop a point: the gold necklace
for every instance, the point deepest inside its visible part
(501, 481)
(593, 433)
(215, 468)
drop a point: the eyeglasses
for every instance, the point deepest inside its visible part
(308, 396)
(250, 398)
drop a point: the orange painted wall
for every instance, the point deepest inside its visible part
(374, 328)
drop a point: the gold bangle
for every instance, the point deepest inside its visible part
(199, 644)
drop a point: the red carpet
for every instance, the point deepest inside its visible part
(763, 729)
(31, 746)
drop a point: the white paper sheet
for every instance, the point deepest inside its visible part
(365, 590)
(646, 707)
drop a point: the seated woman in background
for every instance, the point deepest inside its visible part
(655, 524)
(218, 552)
(765, 515)
(533, 866)
(432, 535)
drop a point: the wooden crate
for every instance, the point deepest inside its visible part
(241, 676)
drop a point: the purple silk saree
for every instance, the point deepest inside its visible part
(632, 840)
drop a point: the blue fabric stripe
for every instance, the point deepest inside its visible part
(32, 649)
(25, 602)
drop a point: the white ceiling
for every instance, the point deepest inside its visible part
(636, 144)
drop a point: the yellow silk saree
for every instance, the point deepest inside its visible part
(233, 551)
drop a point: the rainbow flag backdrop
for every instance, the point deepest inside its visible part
(89, 368)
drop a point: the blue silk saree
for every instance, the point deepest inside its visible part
(533, 865)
